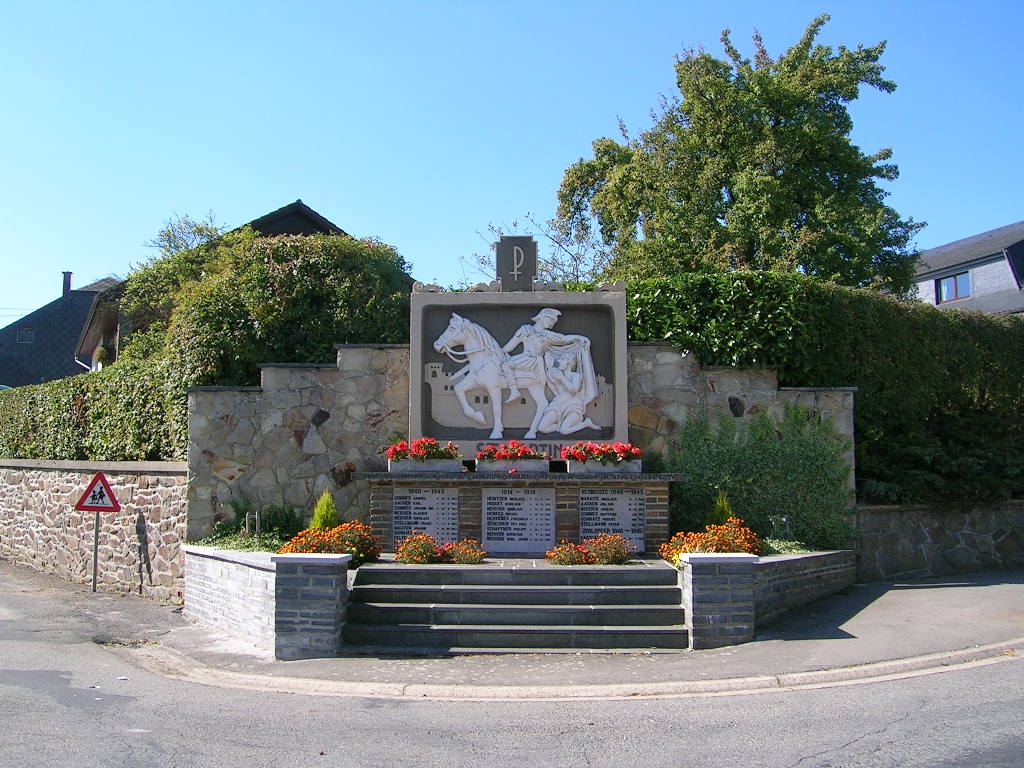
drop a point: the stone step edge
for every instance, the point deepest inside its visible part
(518, 607)
(430, 650)
(521, 629)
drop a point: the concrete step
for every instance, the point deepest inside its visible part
(629, 594)
(647, 573)
(503, 615)
(443, 637)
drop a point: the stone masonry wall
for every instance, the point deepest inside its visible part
(309, 428)
(233, 591)
(304, 430)
(40, 528)
(783, 582)
(290, 605)
(920, 541)
(666, 386)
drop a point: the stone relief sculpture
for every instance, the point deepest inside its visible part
(547, 360)
(566, 412)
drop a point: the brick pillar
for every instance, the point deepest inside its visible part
(310, 593)
(718, 597)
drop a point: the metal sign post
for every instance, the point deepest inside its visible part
(98, 497)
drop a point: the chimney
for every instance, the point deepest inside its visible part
(67, 283)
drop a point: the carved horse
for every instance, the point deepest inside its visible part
(484, 357)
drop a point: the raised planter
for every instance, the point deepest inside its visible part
(430, 465)
(592, 466)
(505, 467)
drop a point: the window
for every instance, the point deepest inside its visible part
(953, 287)
(26, 335)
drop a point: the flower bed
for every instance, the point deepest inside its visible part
(587, 456)
(511, 457)
(420, 548)
(733, 536)
(603, 549)
(352, 538)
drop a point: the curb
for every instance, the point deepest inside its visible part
(171, 663)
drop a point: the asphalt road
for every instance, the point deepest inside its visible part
(66, 700)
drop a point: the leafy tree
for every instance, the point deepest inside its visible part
(751, 167)
(182, 233)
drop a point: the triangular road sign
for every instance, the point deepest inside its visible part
(98, 497)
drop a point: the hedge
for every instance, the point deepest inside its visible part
(128, 412)
(939, 409)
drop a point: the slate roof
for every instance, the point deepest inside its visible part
(971, 249)
(53, 330)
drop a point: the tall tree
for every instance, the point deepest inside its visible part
(750, 167)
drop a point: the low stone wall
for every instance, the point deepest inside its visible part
(923, 541)
(718, 598)
(291, 605)
(40, 528)
(783, 582)
(233, 591)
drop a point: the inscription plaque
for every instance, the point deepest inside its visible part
(519, 520)
(431, 510)
(613, 510)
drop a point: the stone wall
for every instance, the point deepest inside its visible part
(783, 582)
(40, 528)
(233, 591)
(304, 430)
(309, 428)
(920, 541)
(291, 605)
(727, 597)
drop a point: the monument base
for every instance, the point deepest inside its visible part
(521, 514)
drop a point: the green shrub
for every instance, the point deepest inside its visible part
(721, 510)
(793, 466)
(325, 513)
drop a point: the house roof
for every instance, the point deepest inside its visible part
(970, 249)
(41, 346)
(295, 219)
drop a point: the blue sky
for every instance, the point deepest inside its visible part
(421, 123)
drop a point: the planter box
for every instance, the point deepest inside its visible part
(430, 465)
(596, 467)
(522, 465)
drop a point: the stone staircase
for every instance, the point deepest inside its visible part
(514, 605)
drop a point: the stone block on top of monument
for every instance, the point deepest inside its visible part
(516, 262)
(544, 367)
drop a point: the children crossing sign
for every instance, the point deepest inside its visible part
(98, 497)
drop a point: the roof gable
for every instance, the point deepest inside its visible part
(295, 219)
